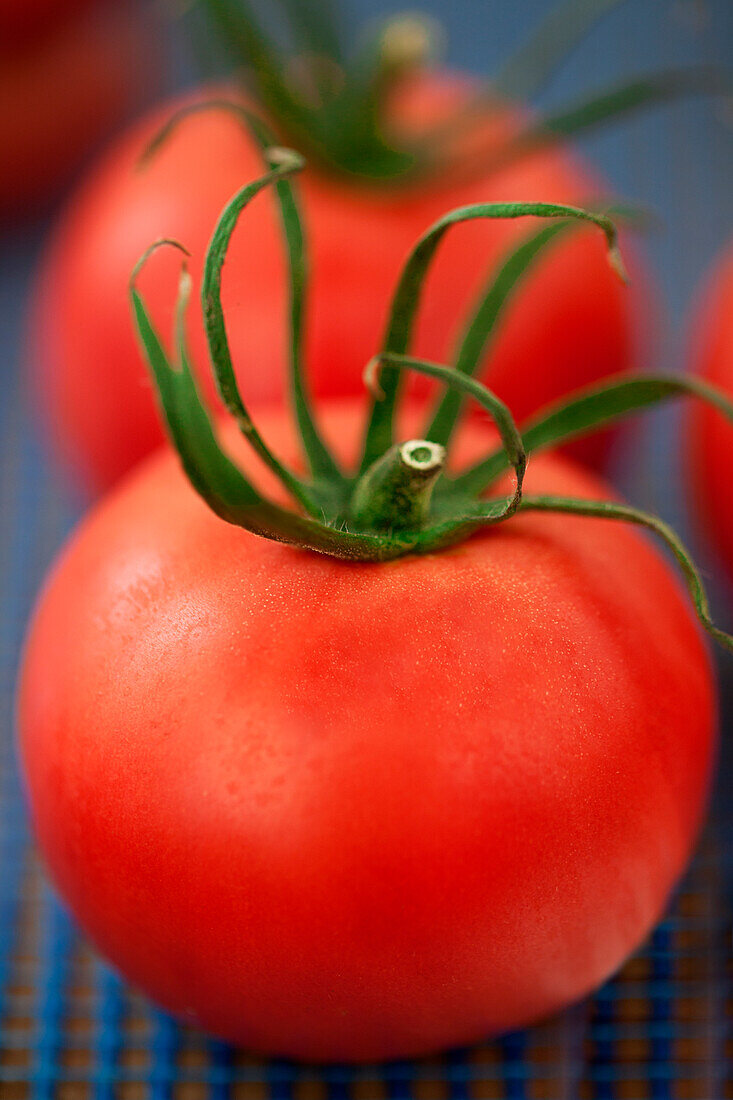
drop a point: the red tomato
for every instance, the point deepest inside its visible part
(58, 95)
(341, 811)
(712, 445)
(22, 20)
(575, 324)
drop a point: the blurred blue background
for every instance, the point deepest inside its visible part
(677, 160)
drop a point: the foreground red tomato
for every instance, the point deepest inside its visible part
(711, 437)
(575, 324)
(61, 93)
(344, 811)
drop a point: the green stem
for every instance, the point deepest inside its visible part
(394, 494)
(513, 452)
(407, 297)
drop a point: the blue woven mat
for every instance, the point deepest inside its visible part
(71, 1030)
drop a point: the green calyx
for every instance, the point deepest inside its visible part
(398, 499)
(332, 102)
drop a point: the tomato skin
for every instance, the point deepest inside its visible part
(338, 811)
(59, 95)
(576, 321)
(712, 438)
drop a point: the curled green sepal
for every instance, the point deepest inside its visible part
(322, 464)
(284, 162)
(589, 409)
(407, 296)
(613, 102)
(224, 487)
(232, 497)
(514, 451)
(526, 72)
(316, 26)
(491, 511)
(482, 324)
(266, 63)
(213, 475)
(603, 509)
(220, 483)
(330, 107)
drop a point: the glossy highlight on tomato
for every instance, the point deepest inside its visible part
(354, 811)
(576, 323)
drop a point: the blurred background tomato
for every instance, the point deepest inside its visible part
(69, 74)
